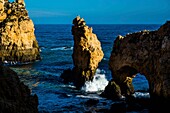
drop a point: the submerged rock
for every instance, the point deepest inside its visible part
(112, 91)
(17, 39)
(148, 53)
(15, 97)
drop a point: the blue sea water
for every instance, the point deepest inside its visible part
(56, 43)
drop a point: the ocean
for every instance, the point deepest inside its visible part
(43, 77)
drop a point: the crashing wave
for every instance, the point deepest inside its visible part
(98, 84)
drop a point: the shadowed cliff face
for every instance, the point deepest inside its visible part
(87, 52)
(17, 39)
(145, 52)
(15, 97)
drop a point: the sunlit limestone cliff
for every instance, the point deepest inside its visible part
(87, 53)
(18, 43)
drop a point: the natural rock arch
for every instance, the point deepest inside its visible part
(146, 52)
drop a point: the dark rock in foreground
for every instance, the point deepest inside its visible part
(15, 97)
(17, 39)
(145, 52)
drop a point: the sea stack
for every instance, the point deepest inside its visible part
(18, 43)
(15, 97)
(87, 52)
(145, 52)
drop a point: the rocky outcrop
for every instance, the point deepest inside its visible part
(15, 97)
(17, 39)
(145, 52)
(87, 53)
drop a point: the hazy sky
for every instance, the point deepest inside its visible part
(99, 11)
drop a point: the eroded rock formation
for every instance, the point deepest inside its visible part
(15, 97)
(87, 54)
(145, 52)
(17, 39)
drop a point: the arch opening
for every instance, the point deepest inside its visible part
(132, 82)
(141, 86)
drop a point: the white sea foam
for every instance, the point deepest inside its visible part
(13, 63)
(5, 62)
(141, 95)
(10, 62)
(62, 48)
(98, 84)
(89, 96)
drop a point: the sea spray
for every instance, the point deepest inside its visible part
(98, 83)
